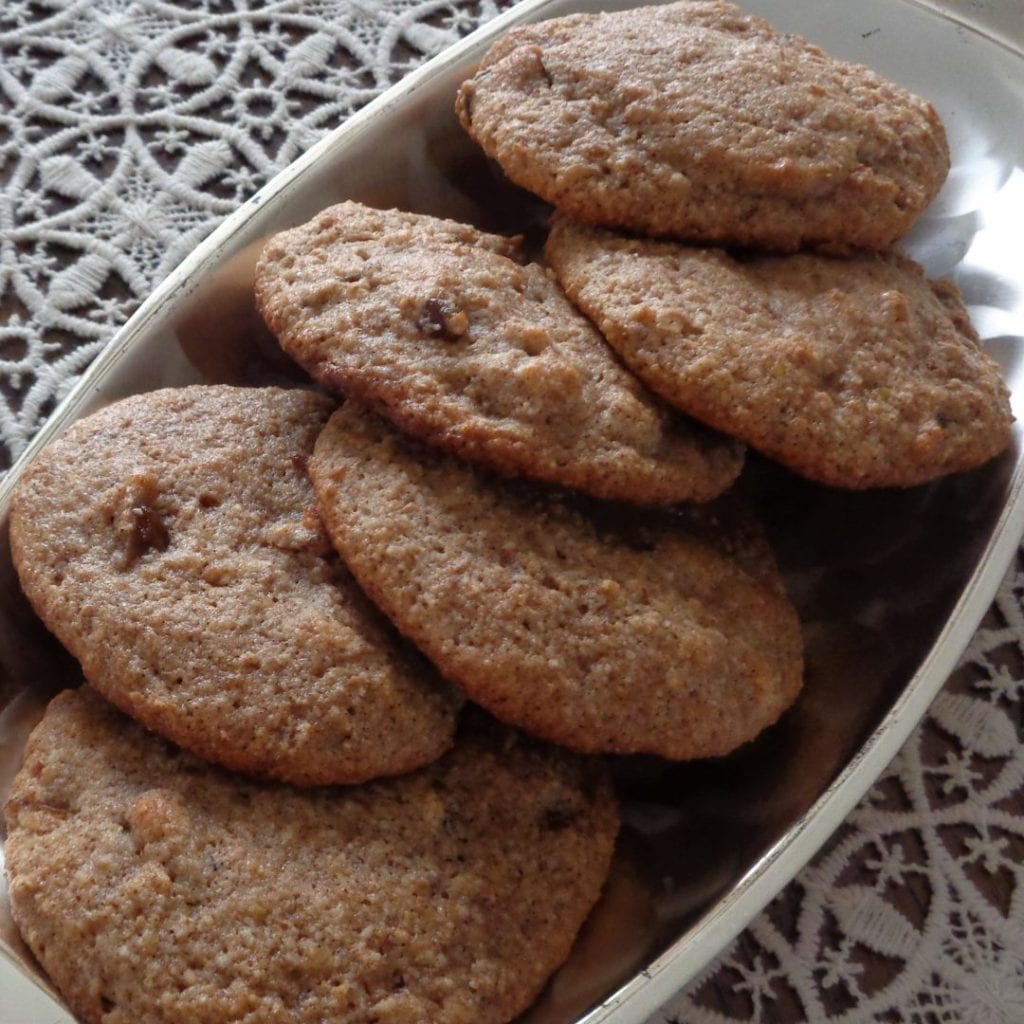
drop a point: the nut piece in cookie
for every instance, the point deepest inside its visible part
(697, 121)
(440, 328)
(447, 896)
(600, 631)
(171, 544)
(854, 372)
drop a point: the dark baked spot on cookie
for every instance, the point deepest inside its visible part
(545, 74)
(440, 318)
(560, 815)
(148, 532)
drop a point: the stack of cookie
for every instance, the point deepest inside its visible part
(474, 484)
(202, 862)
(291, 596)
(698, 125)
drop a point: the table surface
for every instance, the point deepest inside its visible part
(130, 128)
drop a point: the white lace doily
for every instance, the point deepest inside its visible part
(129, 128)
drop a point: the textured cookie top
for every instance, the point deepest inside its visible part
(437, 327)
(599, 631)
(855, 372)
(698, 121)
(155, 888)
(170, 542)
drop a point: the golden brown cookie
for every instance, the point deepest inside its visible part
(698, 121)
(171, 544)
(437, 327)
(154, 888)
(602, 630)
(856, 372)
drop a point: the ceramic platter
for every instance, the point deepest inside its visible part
(890, 585)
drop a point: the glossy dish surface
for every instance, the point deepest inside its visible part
(890, 585)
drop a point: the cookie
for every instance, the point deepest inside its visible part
(170, 542)
(587, 624)
(697, 121)
(437, 327)
(153, 887)
(855, 372)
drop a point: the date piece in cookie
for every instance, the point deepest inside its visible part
(855, 372)
(697, 121)
(599, 631)
(170, 542)
(438, 327)
(155, 888)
